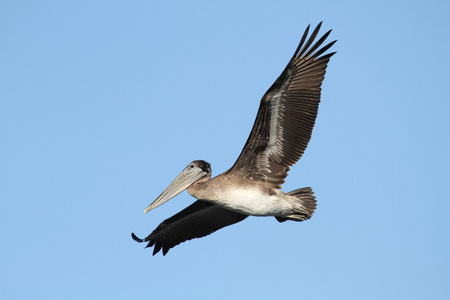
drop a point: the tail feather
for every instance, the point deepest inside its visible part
(306, 200)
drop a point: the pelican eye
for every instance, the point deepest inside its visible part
(191, 166)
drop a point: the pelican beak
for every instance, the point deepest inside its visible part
(187, 177)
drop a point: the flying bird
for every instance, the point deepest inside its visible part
(278, 139)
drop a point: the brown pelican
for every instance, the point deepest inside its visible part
(280, 135)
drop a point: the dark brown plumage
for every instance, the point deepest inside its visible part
(296, 92)
(197, 220)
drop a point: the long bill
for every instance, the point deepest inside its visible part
(179, 184)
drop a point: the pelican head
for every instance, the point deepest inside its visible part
(196, 170)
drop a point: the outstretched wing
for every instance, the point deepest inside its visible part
(197, 220)
(286, 115)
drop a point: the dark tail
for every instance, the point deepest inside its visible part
(306, 203)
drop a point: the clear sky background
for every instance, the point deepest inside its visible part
(103, 103)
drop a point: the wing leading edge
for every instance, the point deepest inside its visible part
(286, 114)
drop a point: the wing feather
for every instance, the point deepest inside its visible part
(286, 114)
(197, 220)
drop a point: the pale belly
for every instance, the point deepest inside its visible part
(253, 202)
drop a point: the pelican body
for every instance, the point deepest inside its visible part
(252, 187)
(246, 196)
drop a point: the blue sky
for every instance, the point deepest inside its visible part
(102, 104)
